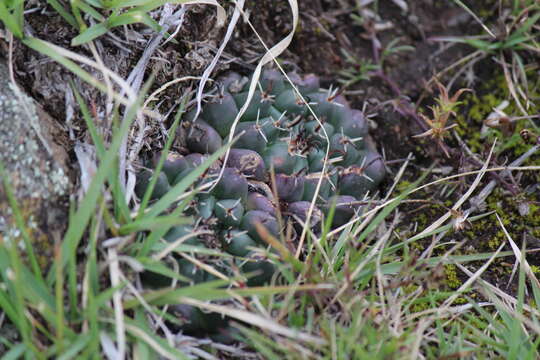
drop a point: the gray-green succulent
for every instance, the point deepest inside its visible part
(282, 145)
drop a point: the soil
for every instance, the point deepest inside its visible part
(392, 96)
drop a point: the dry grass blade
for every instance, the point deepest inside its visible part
(519, 256)
(256, 320)
(458, 204)
(476, 18)
(271, 55)
(151, 342)
(170, 247)
(209, 269)
(114, 272)
(372, 253)
(272, 241)
(239, 4)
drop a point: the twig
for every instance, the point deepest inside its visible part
(478, 200)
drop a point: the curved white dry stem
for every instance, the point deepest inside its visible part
(476, 18)
(481, 197)
(157, 319)
(270, 55)
(519, 257)
(444, 307)
(209, 269)
(152, 96)
(135, 79)
(507, 298)
(210, 68)
(140, 334)
(221, 13)
(106, 78)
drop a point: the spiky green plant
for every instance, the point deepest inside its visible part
(274, 167)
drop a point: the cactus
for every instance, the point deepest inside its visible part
(281, 147)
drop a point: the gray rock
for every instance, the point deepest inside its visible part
(36, 166)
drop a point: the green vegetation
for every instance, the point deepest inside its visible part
(199, 264)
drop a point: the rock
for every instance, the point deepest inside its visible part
(36, 167)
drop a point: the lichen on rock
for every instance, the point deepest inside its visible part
(35, 166)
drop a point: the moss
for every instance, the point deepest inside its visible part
(496, 241)
(452, 279)
(477, 107)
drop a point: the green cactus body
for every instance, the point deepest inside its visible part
(203, 138)
(237, 242)
(290, 102)
(262, 269)
(289, 188)
(310, 186)
(229, 212)
(254, 217)
(345, 209)
(232, 185)
(179, 231)
(143, 181)
(272, 82)
(205, 206)
(278, 157)
(300, 209)
(278, 133)
(314, 128)
(220, 113)
(260, 202)
(248, 162)
(173, 165)
(258, 108)
(344, 147)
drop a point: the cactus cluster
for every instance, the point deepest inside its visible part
(280, 147)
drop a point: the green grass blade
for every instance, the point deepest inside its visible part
(63, 13)
(181, 187)
(19, 221)
(154, 223)
(10, 20)
(15, 352)
(81, 218)
(157, 170)
(118, 193)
